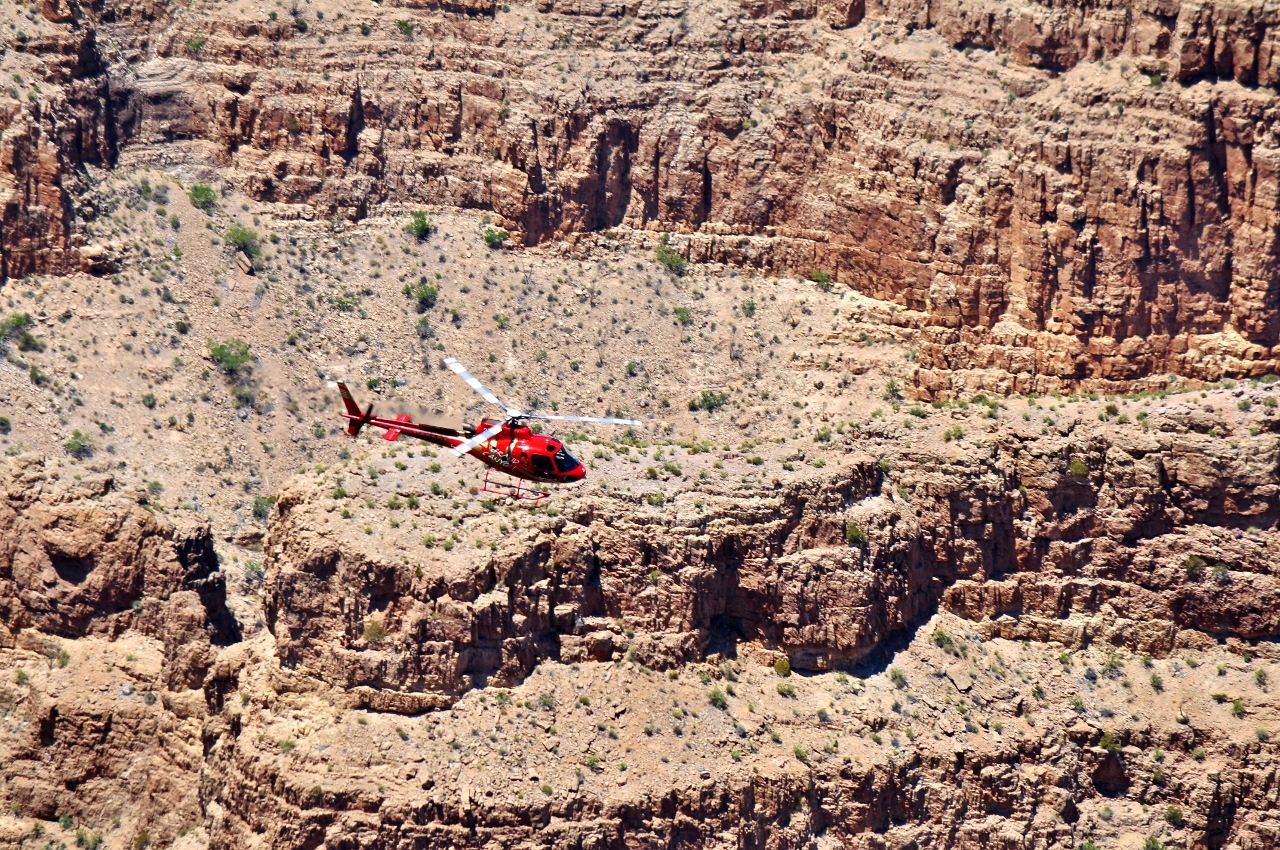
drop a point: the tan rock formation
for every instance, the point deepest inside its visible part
(1071, 196)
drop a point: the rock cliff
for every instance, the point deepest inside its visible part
(1060, 195)
(1157, 539)
(1056, 631)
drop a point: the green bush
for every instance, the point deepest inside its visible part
(1110, 743)
(898, 677)
(79, 445)
(718, 699)
(786, 689)
(423, 295)
(749, 309)
(420, 226)
(244, 395)
(854, 534)
(6, 426)
(15, 325)
(203, 197)
(231, 355)
(374, 631)
(196, 43)
(405, 27)
(669, 257)
(709, 401)
(243, 239)
(1077, 468)
(262, 506)
(495, 238)
(684, 315)
(821, 278)
(782, 667)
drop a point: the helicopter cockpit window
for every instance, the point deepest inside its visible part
(566, 462)
(541, 463)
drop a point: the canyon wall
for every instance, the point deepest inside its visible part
(829, 571)
(355, 717)
(1067, 195)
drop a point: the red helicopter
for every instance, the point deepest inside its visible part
(508, 445)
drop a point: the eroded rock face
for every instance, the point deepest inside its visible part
(613, 579)
(1065, 195)
(79, 556)
(111, 618)
(1157, 540)
(992, 596)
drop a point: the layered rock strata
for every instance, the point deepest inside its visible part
(1063, 195)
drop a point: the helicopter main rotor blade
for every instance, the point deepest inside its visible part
(480, 388)
(599, 419)
(462, 448)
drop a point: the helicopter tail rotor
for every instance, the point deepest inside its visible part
(355, 419)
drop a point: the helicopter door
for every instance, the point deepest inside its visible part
(542, 464)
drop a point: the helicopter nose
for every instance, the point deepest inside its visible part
(578, 474)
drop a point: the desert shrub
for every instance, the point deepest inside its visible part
(709, 401)
(203, 197)
(821, 278)
(717, 698)
(421, 226)
(423, 294)
(79, 445)
(262, 506)
(1077, 468)
(495, 238)
(782, 667)
(243, 239)
(669, 257)
(854, 534)
(374, 631)
(231, 355)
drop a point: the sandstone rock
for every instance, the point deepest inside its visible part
(1099, 232)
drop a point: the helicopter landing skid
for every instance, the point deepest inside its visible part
(511, 491)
